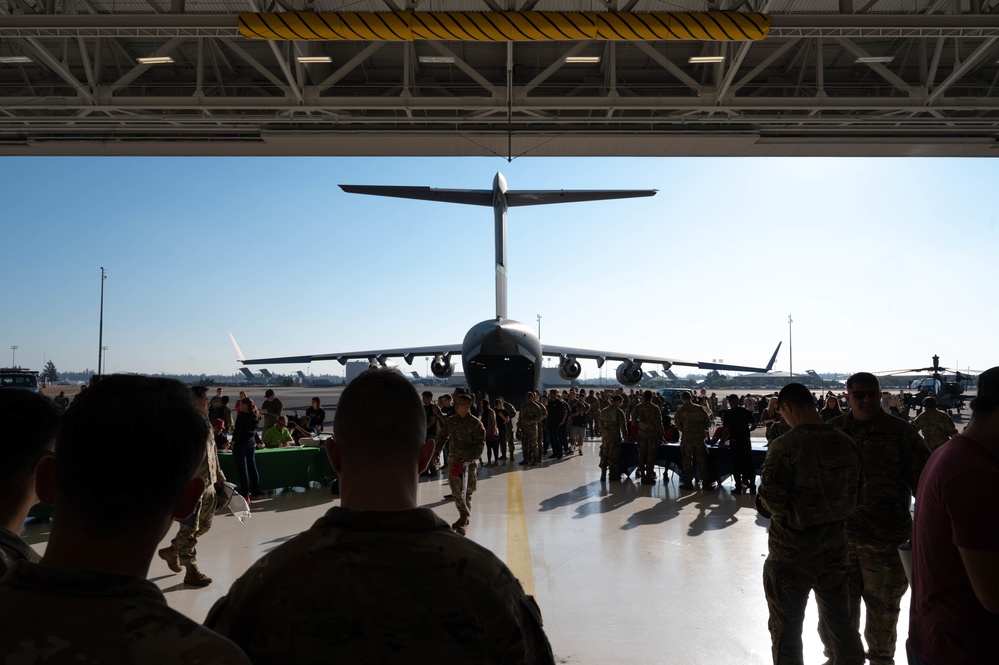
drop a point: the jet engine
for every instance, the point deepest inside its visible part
(569, 369)
(629, 373)
(441, 368)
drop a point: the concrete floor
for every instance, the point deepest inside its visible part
(639, 573)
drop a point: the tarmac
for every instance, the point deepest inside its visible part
(624, 571)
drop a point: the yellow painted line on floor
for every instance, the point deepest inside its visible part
(518, 547)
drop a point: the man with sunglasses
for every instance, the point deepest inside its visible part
(894, 455)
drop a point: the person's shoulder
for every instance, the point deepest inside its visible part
(170, 638)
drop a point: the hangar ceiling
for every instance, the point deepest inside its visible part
(832, 77)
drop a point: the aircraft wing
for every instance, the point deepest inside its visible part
(602, 356)
(380, 355)
(477, 197)
(528, 197)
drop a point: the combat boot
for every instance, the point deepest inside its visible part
(195, 577)
(172, 558)
(462, 521)
(460, 530)
(687, 485)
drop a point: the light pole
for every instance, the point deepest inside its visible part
(100, 335)
(539, 326)
(13, 356)
(790, 348)
(105, 350)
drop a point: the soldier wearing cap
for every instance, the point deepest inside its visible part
(649, 419)
(812, 482)
(894, 455)
(613, 430)
(692, 421)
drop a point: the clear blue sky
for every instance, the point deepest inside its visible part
(881, 262)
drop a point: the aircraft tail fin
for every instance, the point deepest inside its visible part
(527, 197)
(773, 358)
(476, 197)
(267, 374)
(239, 354)
(247, 373)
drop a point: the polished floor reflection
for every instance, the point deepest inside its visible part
(622, 571)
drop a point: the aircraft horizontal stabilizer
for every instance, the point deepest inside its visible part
(527, 197)
(475, 197)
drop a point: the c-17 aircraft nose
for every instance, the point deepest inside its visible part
(499, 182)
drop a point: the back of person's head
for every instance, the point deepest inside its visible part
(225, 400)
(795, 394)
(987, 399)
(114, 471)
(463, 399)
(379, 412)
(685, 396)
(862, 379)
(617, 399)
(647, 396)
(930, 402)
(30, 421)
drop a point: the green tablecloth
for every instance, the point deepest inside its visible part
(278, 467)
(284, 467)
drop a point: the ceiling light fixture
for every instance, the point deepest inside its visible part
(436, 59)
(306, 59)
(875, 58)
(156, 60)
(14, 59)
(582, 58)
(705, 59)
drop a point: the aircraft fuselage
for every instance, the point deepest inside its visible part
(502, 358)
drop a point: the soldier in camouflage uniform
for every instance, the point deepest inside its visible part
(649, 419)
(593, 414)
(183, 549)
(532, 414)
(511, 413)
(937, 427)
(894, 456)
(465, 436)
(379, 579)
(613, 430)
(30, 422)
(88, 601)
(692, 421)
(812, 481)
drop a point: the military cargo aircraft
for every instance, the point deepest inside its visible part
(500, 356)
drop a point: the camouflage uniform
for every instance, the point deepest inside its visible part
(692, 421)
(593, 414)
(894, 455)
(72, 616)
(532, 414)
(936, 426)
(466, 439)
(613, 430)
(185, 543)
(14, 549)
(812, 481)
(381, 587)
(649, 419)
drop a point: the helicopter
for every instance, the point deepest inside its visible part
(949, 394)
